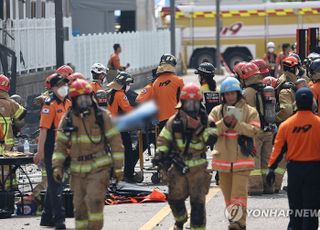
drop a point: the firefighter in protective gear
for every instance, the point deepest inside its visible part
(10, 113)
(254, 95)
(64, 71)
(232, 154)
(183, 140)
(270, 58)
(300, 136)
(167, 88)
(118, 104)
(52, 112)
(17, 125)
(270, 81)
(205, 73)
(314, 73)
(262, 66)
(285, 94)
(99, 73)
(87, 135)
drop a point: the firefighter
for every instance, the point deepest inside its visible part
(266, 107)
(232, 154)
(314, 73)
(118, 104)
(167, 88)
(51, 114)
(270, 58)
(262, 66)
(10, 113)
(285, 94)
(300, 136)
(182, 143)
(205, 73)
(99, 73)
(86, 135)
(17, 125)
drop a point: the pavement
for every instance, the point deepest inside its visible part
(149, 216)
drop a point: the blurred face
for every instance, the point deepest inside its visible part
(119, 50)
(271, 50)
(231, 98)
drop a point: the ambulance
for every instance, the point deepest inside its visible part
(245, 29)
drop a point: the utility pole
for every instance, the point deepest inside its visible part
(59, 33)
(173, 27)
(218, 63)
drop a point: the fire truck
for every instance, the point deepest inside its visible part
(245, 29)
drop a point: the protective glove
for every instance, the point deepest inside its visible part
(58, 175)
(270, 177)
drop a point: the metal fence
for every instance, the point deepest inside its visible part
(33, 40)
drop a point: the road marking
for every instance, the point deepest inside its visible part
(213, 191)
(165, 211)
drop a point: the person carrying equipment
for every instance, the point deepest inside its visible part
(99, 73)
(286, 106)
(167, 88)
(53, 110)
(237, 124)
(263, 99)
(88, 137)
(205, 73)
(181, 149)
(299, 136)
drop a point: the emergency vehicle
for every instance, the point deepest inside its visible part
(245, 29)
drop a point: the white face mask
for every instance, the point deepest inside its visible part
(63, 91)
(128, 88)
(270, 50)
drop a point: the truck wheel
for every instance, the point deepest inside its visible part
(199, 56)
(234, 57)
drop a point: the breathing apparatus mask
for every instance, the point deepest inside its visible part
(191, 107)
(83, 104)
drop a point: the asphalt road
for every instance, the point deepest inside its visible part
(158, 216)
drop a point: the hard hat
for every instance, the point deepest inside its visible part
(75, 76)
(191, 92)
(54, 80)
(290, 62)
(98, 68)
(102, 98)
(249, 69)
(64, 70)
(206, 68)
(4, 83)
(122, 79)
(79, 87)
(270, 81)
(230, 84)
(271, 45)
(262, 65)
(168, 59)
(313, 56)
(237, 68)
